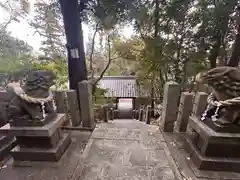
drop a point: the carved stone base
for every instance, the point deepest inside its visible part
(31, 123)
(208, 163)
(230, 128)
(6, 144)
(46, 143)
(210, 150)
(42, 142)
(42, 154)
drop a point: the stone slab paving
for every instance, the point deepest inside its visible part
(118, 150)
(126, 150)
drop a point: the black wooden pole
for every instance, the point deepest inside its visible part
(235, 57)
(75, 46)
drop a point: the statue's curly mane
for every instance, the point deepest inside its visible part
(36, 87)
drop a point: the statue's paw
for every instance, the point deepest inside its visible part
(222, 122)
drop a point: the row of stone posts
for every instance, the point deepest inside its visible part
(79, 112)
(143, 115)
(109, 113)
(177, 107)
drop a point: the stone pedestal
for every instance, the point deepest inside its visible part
(39, 143)
(210, 150)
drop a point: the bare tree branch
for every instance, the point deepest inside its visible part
(108, 64)
(140, 31)
(92, 52)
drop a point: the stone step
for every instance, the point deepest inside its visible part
(211, 163)
(6, 148)
(4, 140)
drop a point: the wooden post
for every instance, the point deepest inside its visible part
(115, 113)
(105, 112)
(111, 115)
(148, 115)
(141, 114)
(73, 107)
(136, 114)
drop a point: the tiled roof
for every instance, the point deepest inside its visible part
(120, 86)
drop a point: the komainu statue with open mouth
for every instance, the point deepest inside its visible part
(32, 104)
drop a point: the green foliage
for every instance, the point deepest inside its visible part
(13, 47)
(15, 58)
(99, 97)
(173, 40)
(13, 69)
(59, 68)
(176, 39)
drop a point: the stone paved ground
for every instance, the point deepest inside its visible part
(126, 150)
(118, 150)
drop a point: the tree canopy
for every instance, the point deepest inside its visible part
(172, 40)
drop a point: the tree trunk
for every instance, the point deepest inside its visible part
(156, 31)
(92, 53)
(214, 52)
(106, 67)
(75, 47)
(234, 60)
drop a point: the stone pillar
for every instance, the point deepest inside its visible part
(73, 105)
(199, 104)
(60, 101)
(86, 104)
(184, 111)
(170, 106)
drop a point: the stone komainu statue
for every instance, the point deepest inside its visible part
(31, 104)
(224, 101)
